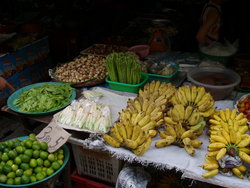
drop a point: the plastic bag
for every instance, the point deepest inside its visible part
(133, 177)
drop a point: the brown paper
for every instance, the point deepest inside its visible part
(54, 136)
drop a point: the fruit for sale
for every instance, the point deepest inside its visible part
(244, 106)
(195, 97)
(177, 135)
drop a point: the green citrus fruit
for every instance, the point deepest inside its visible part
(33, 163)
(17, 180)
(18, 160)
(44, 155)
(19, 172)
(3, 178)
(39, 162)
(49, 171)
(44, 146)
(46, 163)
(10, 181)
(55, 165)
(25, 179)
(11, 175)
(36, 154)
(24, 166)
(33, 179)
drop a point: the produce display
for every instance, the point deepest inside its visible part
(229, 145)
(161, 68)
(85, 114)
(123, 67)
(243, 106)
(27, 161)
(81, 69)
(104, 49)
(139, 120)
(45, 98)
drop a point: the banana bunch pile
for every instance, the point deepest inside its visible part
(220, 120)
(196, 97)
(147, 109)
(189, 117)
(132, 138)
(177, 135)
(229, 146)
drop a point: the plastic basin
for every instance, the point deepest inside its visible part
(65, 161)
(220, 82)
(132, 88)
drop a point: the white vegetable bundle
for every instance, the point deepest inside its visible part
(85, 114)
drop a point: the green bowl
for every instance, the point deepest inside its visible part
(65, 161)
(16, 94)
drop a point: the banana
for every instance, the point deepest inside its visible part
(169, 120)
(181, 110)
(206, 98)
(217, 118)
(245, 142)
(237, 173)
(209, 112)
(200, 92)
(241, 122)
(188, 93)
(162, 134)
(157, 85)
(121, 129)
(162, 102)
(115, 134)
(221, 154)
(140, 139)
(138, 106)
(150, 108)
(219, 139)
(232, 136)
(198, 126)
(227, 114)
(209, 159)
(130, 144)
(193, 120)
(111, 141)
(128, 114)
(161, 143)
(145, 105)
(136, 132)
(193, 93)
(222, 115)
(159, 123)
(149, 126)
(175, 115)
(239, 116)
(155, 111)
(244, 156)
(241, 168)
(143, 148)
(196, 143)
(243, 129)
(152, 133)
(217, 145)
(122, 115)
(187, 142)
(144, 121)
(210, 166)
(215, 122)
(233, 114)
(129, 128)
(205, 106)
(246, 150)
(210, 173)
(170, 131)
(190, 150)
(187, 134)
(160, 98)
(156, 117)
(180, 98)
(138, 118)
(188, 112)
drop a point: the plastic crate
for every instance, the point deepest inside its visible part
(97, 164)
(132, 88)
(83, 182)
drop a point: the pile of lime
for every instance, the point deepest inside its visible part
(27, 161)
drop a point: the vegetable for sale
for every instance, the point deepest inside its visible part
(45, 98)
(123, 67)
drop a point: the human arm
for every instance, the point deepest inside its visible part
(211, 19)
(4, 84)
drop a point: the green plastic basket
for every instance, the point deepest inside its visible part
(131, 88)
(163, 78)
(65, 161)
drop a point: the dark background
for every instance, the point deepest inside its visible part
(73, 25)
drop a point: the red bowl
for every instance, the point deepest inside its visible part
(141, 50)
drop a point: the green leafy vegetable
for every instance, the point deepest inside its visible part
(123, 67)
(45, 98)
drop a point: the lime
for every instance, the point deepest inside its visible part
(46, 163)
(2, 146)
(51, 157)
(3, 178)
(36, 154)
(5, 157)
(16, 142)
(60, 151)
(25, 179)
(36, 146)
(28, 143)
(6, 150)
(55, 165)
(28, 152)
(60, 161)
(44, 173)
(19, 149)
(18, 160)
(44, 155)
(10, 144)
(36, 142)
(11, 175)
(12, 154)
(60, 156)
(28, 172)
(39, 162)
(25, 158)
(19, 172)
(39, 176)
(14, 167)
(1, 168)
(38, 169)
(7, 169)
(44, 146)
(49, 171)
(10, 181)
(32, 179)
(24, 166)
(10, 162)
(17, 180)
(32, 136)
(33, 163)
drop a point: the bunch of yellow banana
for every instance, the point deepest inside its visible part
(130, 137)
(224, 118)
(188, 116)
(177, 135)
(230, 140)
(196, 97)
(147, 109)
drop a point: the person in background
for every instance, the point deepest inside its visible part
(211, 20)
(4, 84)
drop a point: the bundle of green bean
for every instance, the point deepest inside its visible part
(123, 67)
